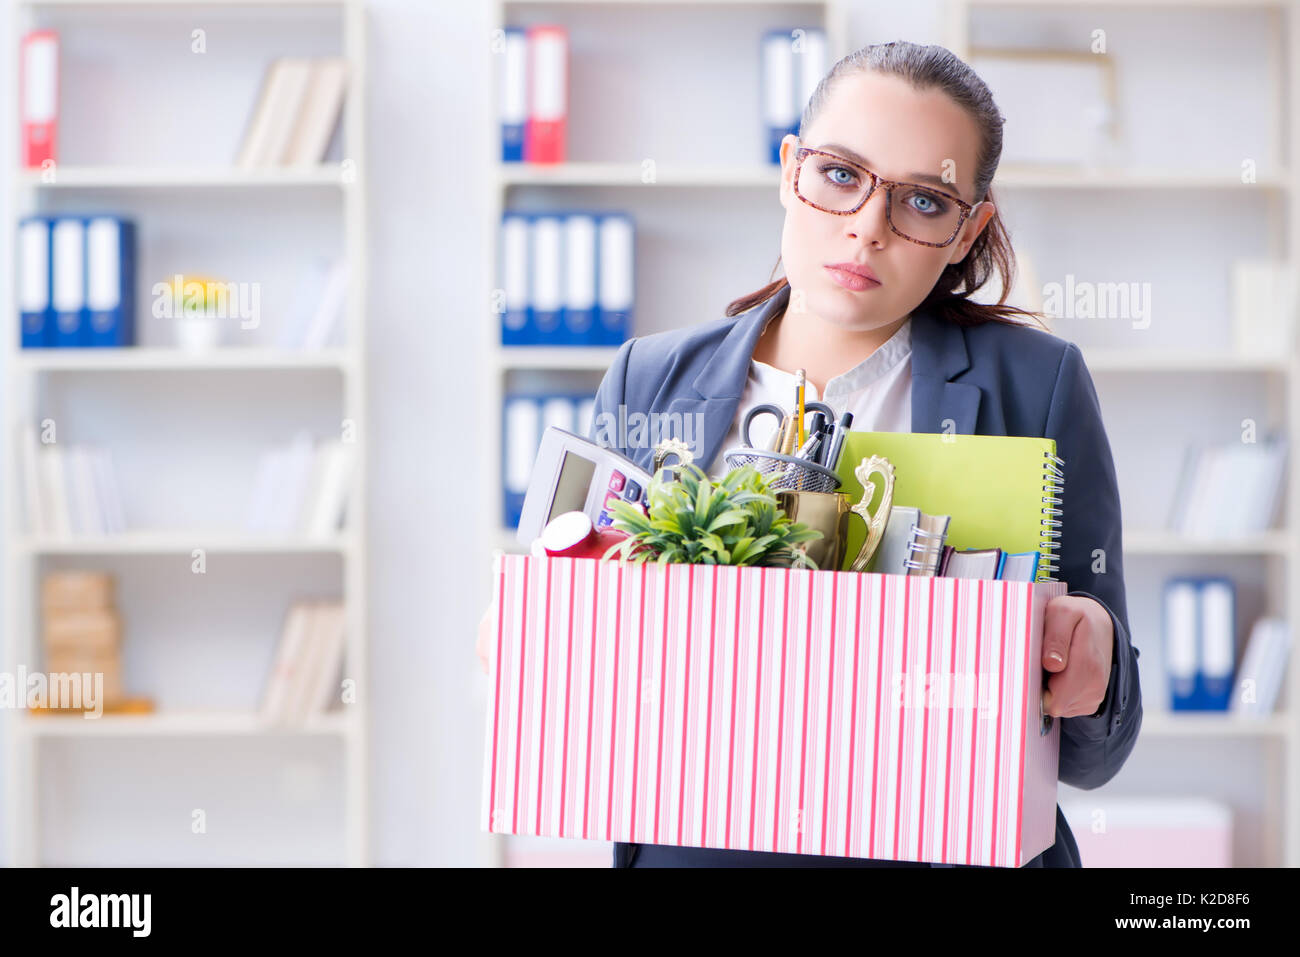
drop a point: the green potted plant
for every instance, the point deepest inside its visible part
(694, 520)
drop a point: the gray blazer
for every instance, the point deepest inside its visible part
(992, 379)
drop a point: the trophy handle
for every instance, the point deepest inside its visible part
(671, 446)
(875, 523)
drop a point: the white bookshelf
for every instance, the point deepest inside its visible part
(734, 175)
(280, 566)
(1152, 554)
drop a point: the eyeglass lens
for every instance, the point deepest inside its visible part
(914, 211)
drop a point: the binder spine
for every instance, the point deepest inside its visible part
(1050, 533)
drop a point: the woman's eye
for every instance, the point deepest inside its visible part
(839, 176)
(926, 203)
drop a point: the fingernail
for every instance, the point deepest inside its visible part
(1055, 655)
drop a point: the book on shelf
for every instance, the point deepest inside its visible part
(67, 490)
(296, 113)
(567, 278)
(533, 82)
(81, 632)
(75, 281)
(38, 104)
(793, 63)
(1200, 642)
(1263, 667)
(526, 416)
(302, 487)
(1230, 489)
(315, 321)
(303, 682)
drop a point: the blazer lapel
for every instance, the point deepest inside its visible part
(938, 354)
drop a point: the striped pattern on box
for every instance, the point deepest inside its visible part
(770, 709)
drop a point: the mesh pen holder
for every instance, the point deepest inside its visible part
(784, 471)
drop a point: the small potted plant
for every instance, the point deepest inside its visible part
(694, 520)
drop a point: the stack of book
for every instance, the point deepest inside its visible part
(303, 681)
(567, 278)
(76, 281)
(302, 488)
(1229, 490)
(296, 113)
(1200, 636)
(914, 544)
(82, 635)
(534, 94)
(68, 490)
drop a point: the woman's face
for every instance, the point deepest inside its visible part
(899, 133)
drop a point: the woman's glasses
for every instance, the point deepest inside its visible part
(839, 186)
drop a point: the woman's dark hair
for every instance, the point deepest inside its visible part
(935, 67)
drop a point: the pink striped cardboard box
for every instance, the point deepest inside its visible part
(770, 709)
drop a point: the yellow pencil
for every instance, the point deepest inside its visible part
(800, 377)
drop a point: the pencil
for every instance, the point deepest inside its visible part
(800, 378)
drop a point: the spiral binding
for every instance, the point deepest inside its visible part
(1053, 482)
(923, 566)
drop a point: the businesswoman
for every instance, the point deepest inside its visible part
(889, 227)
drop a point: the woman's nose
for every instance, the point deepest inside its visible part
(871, 221)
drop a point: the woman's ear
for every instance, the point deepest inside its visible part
(789, 143)
(970, 230)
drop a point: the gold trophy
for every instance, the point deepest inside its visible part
(828, 513)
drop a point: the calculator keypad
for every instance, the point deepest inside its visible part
(631, 492)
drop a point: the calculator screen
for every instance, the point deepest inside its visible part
(572, 484)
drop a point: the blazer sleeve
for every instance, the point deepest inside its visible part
(611, 394)
(1091, 563)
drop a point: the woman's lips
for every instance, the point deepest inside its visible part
(851, 280)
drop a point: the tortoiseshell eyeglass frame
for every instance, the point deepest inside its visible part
(803, 152)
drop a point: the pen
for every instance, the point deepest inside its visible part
(832, 460)
(809, 446)
(800, 379)
(789, 436)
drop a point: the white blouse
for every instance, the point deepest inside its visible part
(878, 391)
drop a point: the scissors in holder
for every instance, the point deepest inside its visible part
(784, 420)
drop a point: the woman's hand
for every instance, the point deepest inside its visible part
(483, 646)
(1078, 644)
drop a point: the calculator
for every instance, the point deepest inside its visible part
(572, 474)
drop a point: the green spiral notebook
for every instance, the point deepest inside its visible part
(999, 490)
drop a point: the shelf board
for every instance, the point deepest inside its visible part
(162, 543)
(745, 176)
(1173, 724)
(176, 724)
(186, 3)
(1121, 360)
(1011, 176)
(178, 177)
(1057, 5)
(766, 176)
(1163, 542)
(658, 3)
(579, 358)
(154, 359)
